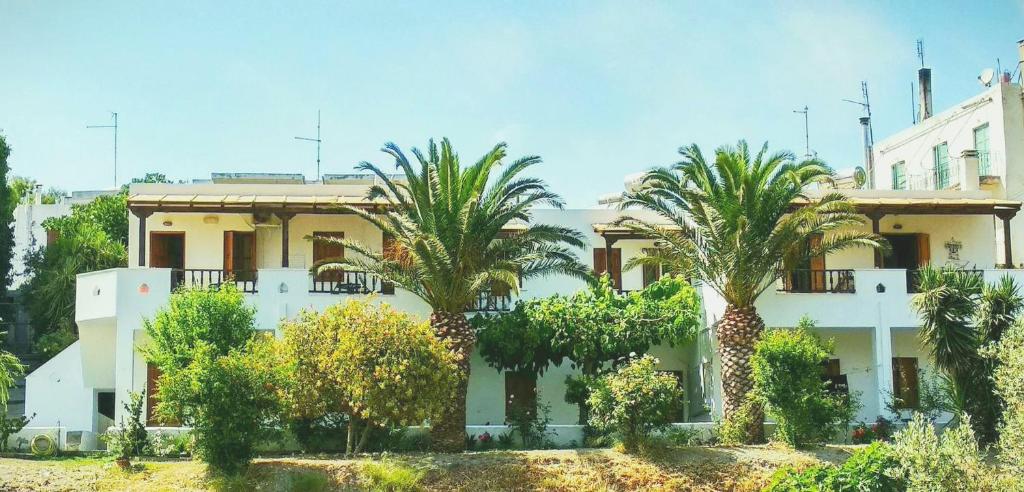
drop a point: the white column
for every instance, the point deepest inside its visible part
(883, 364)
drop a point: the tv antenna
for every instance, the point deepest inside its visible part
(114, 126)
(865, 103)
(920, 51)
(807, 133)
(317, 140)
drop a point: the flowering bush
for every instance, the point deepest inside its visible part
(634, 401)
(880, 430)
(372, 363)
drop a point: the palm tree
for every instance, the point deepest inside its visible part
(737, 225)
(961, 316)
(450, 228)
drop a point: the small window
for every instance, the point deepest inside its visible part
(830, 368)
(520, 393)
(905, 383)
(325, 251)
(940, 158)
(651, 273)
(982, 146)
(899, 176)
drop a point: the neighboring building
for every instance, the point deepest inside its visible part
(976, 144)
(254, 230)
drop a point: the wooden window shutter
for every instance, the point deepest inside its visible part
(817, 264)
(152, 398)
(327, 251)
(601, 265)
(905, 382)
(390, 250)
(651, 272)
(924, 250)
(229, 252)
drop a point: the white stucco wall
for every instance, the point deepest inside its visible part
(58, 397)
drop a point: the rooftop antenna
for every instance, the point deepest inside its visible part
(865, 104)
(920, 51)
(317, 140)
(807, 133)
(114, 126)
(869, 133)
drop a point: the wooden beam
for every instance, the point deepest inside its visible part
(285, 219)
(142, 215)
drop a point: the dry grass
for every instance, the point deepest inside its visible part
(695, 468)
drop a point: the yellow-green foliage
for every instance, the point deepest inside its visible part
(369, 361)
(1009, 381)
(391, 476)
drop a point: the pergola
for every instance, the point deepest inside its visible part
(284, 207)
(875, 209)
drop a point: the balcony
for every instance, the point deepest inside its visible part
(807, 281)
(489, 302)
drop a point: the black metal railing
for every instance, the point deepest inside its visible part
(814, 281)
(914, 278)
(244, 280)
(348, 282)
(490, 302)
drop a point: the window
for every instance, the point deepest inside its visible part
(899, 176)
(905, 383)
(981, 145)
(520, 392)
(651, 272)
(601, 265)
(940, 158)
(324, 251)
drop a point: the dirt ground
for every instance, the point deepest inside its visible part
(683, 468)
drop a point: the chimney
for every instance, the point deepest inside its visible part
(1020, 55)
(924, 82)
(37, 197)
(865, 125)
(969, 179)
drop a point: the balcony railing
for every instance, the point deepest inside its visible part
(245, 281)
(349, 282)
(490, 302)
(815, 281)
(914, 279)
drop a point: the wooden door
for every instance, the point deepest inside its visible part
(325, 252)
(817, 265)
(167, 250)
(905, 382)
(924, 250)
(392, 251)
(153, 397)
(613, 267)
(240, 255)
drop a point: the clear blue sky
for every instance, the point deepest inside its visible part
(598, 89)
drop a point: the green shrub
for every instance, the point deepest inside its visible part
(786, 369)
(319, 434)
(1009, 382)
(130, 438)
(735, 430)
(634, 401)
(218, 376)
(951, 462)
(391, 476)
(867, 470)
(530, 424)
(171, 444)
(10, 426)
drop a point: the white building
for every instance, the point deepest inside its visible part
(254, 228)
(935, 153)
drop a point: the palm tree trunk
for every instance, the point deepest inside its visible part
(448, 435)
(738, 331)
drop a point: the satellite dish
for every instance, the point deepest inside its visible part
(860, 177)
(986, 77)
